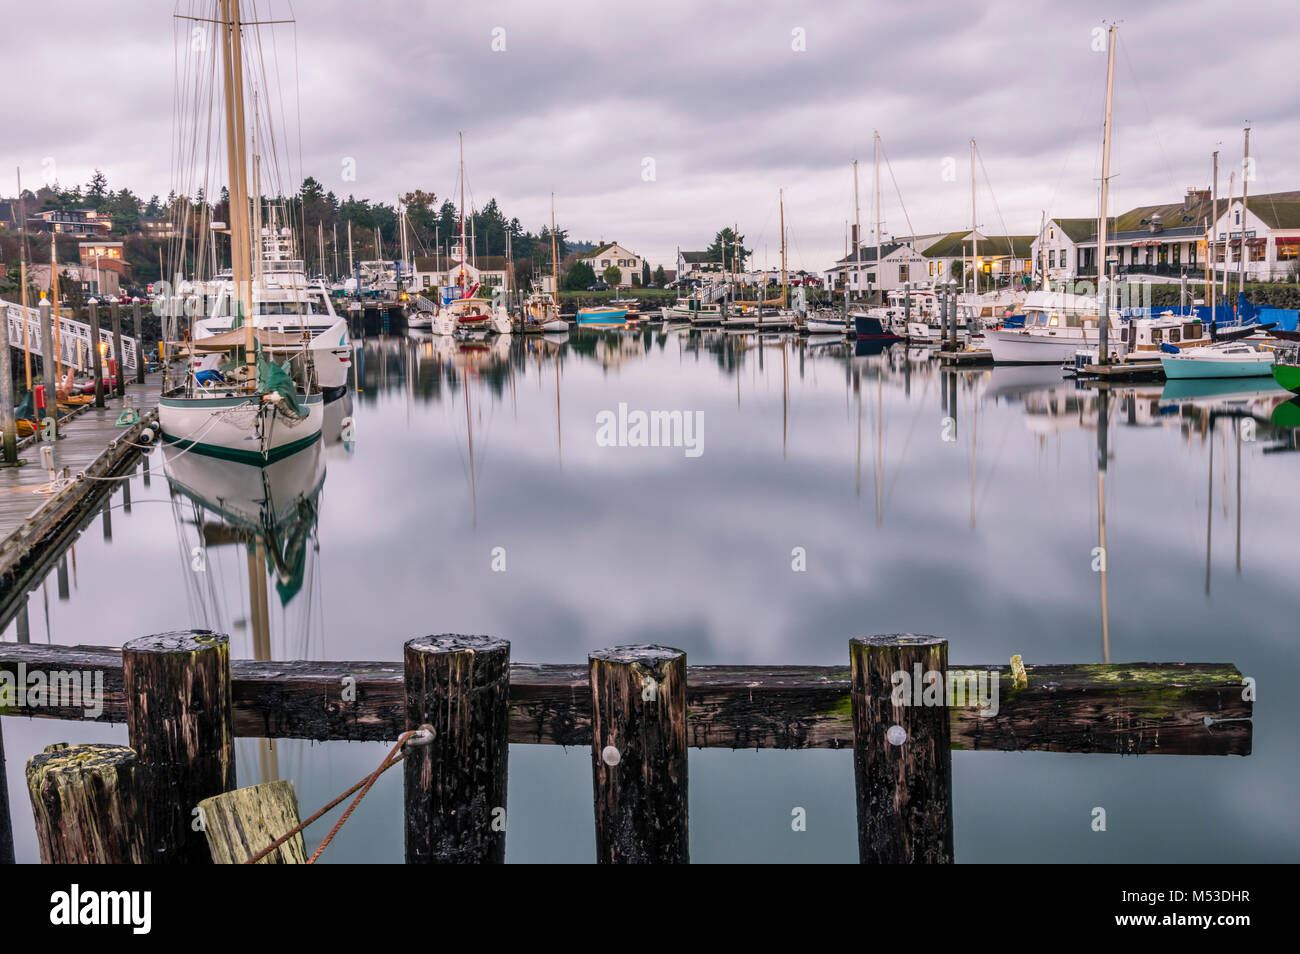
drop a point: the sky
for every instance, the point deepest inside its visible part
(656, 125)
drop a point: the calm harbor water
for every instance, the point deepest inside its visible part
(963, 505)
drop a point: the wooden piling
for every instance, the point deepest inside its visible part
(902, 765)
(6, 823)
(241, 824)
(456, 784)
(96, 362)
(49, 367)
(638, 754)
(178, 714)
(138, 329)
(86, 802)
(115, 323)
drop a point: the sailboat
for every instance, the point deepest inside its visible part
(541, 310)
(470, 313)
(249, 408)
(1058, 324)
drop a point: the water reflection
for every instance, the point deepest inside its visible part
(970, 503)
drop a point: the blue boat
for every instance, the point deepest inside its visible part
(602, 316)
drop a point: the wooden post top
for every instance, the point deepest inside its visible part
(646, 654)
(897, 639)
(181, 641)
(456, 643)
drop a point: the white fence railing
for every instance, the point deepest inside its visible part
(73, 339)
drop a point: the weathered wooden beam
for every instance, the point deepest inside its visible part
(179, 721)
(456, 783)
(244, 822)
(1121, 708)
(87, 805)
(902, 756)
(638, 755)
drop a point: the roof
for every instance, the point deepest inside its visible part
(697, 258)
(956, 244)
(869, 253)
(1276, 213)
(484, 263)
(599, 251)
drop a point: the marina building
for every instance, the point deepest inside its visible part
(77, 222)
(1000, 258)
(1166, 241)
(900, 263)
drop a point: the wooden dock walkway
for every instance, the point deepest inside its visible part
(90, 443)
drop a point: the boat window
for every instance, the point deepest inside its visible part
(1156, 335)
(1053, 321)
(1195, 330)
(1174, 335)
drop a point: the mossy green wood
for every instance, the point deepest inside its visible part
(86, 804)
(241, 823)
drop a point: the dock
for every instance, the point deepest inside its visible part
(37, 515)
(966, 358)
(638, 708)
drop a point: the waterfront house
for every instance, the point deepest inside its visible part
(611, 254)
(697, 266)
(76, 221)
(434, 272)
(91, 281)
(1270, 226)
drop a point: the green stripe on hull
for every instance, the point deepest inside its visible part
(1287, 375)
(243, 456)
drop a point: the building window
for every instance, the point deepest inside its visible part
(1236, 217)
(1051, 258)
(932, 269)
(903, 274)
(1287, 252)
(1257, 251)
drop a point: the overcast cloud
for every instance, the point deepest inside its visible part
(714, 92)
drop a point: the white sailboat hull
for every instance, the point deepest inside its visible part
(241, 427)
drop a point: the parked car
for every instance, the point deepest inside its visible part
(599, 286)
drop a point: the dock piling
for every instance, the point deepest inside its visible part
(638, 754)
(138, 328)
(96, 360)
(241, 824)
(456, 784)
(115, 323)
(178, 716)
(49, 366)
(87, 806)
(902, 763)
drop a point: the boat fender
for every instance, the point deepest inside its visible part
(146, 436)
(1167, 348)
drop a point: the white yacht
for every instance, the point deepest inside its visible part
(286, 302)
(1057, 324)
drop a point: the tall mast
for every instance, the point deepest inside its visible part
(335, 229)
(1103, 317)
(880, 268)
(1245, 190)
(320, 245)
(350, 267)
(857, 230)
(461, 137)
(240, 259)
(54, 294)
(1212, 273)
(974, 237)
(781, 194)
(555, 269)
(1227, 242)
